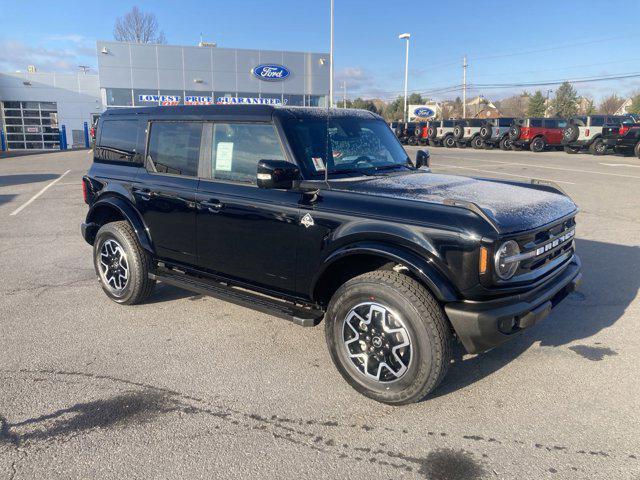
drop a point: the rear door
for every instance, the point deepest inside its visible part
(245, 232)
(165, 190)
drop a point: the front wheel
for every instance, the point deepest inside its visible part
(537, 145)
(477, 142)
(637, 150)
(388, 337)
(121, 264)
(571, 150)
(505, 143)
(598, 147)
(449, 141)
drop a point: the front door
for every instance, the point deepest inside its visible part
(165, 191)
(244, 232)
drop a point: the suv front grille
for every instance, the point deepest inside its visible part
(544, 248)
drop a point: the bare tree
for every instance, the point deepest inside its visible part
(138, 27)
(514, 106)
(611, 104)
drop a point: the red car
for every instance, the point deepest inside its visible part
(537, 133)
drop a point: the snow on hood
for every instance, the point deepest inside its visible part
(511, 207)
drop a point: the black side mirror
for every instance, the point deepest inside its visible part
(277, 174)
(422, 159)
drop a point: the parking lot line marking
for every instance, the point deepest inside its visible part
(501, 173)
(620, 165)
(572, 170)
(32, 199)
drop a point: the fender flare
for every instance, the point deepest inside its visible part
(421, 267)
(129, 212)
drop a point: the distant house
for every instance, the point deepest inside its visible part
(624, 108)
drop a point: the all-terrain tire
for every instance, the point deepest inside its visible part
(598, 147)
(571, 150)
(424, 321)
(449, 141)
(477, 142)
(505, 143)
(637, 150)
(138, 285)
(538, 145)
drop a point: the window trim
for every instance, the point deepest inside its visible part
(146, 160)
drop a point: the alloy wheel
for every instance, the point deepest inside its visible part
(114, 267)
(377, 342)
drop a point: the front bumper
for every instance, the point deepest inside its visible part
(577, 143)
(483, 325)
(522, 143)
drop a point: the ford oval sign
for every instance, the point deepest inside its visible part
(424, 112)
(271, 72)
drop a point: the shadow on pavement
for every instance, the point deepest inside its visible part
(610, 284)
(9, 180)
(6, 198)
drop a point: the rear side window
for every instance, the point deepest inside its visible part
(505, 122)
(174, 147)
(597, 121)
(550, 123)
(535, 122)
(118, 140)
(476, 122)
(236, 150)
(448, 123)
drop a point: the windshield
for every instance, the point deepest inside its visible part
(358, 145)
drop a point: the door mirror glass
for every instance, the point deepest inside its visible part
(422, 159)
(278, 174)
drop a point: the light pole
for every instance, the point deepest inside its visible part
(331, 60)
(405, 36)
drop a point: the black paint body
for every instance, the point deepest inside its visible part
(434, 225)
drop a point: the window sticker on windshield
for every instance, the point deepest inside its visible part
(318, 164)
(224, 156)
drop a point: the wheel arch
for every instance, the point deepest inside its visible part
(355, 259)
(113, 208)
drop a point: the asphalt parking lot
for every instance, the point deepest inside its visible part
(191, 387)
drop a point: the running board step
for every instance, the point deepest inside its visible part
(304, 317)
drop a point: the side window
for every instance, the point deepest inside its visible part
(174, 147)
(561, 124)
(118, 139)
(597, 121)
(237, 148)
(535, 122)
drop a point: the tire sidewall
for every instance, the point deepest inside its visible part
(109, 232)
(477, 142)
(449, 141)
(636, 150)
(537, 144)
(599, 147)
(422, 341)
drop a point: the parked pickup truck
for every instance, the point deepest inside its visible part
(623, 138)
(312, 214)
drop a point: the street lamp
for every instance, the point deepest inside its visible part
(405, 36)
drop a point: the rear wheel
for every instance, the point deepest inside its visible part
(121, 264)
(571, 150)
(477, 142)
(505, 143)
(537, 145)
(449, 141)
(637, 150)
(598, 147)
(388, 337)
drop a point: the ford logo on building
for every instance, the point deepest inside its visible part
(271, 72)
(424, 112)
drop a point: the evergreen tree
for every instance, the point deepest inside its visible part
(565, 103)
(537, 105)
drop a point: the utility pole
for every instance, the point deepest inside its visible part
(464, 87)
(331, 61)
(405, 36)
(344, 94)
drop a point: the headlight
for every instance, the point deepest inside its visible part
(505, 266)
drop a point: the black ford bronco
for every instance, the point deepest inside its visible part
(309, 214)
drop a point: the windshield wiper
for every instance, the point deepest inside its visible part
(391, 167)
(350, 170)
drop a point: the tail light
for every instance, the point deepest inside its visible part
(623, 130)
(586, 132)
(468, 131)
(525, 132)
(85, 192)
(92, 132)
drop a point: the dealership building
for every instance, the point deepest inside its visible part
(35, 106)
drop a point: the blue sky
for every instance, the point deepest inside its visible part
(506, 42)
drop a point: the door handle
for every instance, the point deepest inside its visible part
(145, 194)
(214, 206)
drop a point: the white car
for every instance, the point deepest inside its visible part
(441, 133)
(585, 132)
(467, 132)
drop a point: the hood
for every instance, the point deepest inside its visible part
(511, 207)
